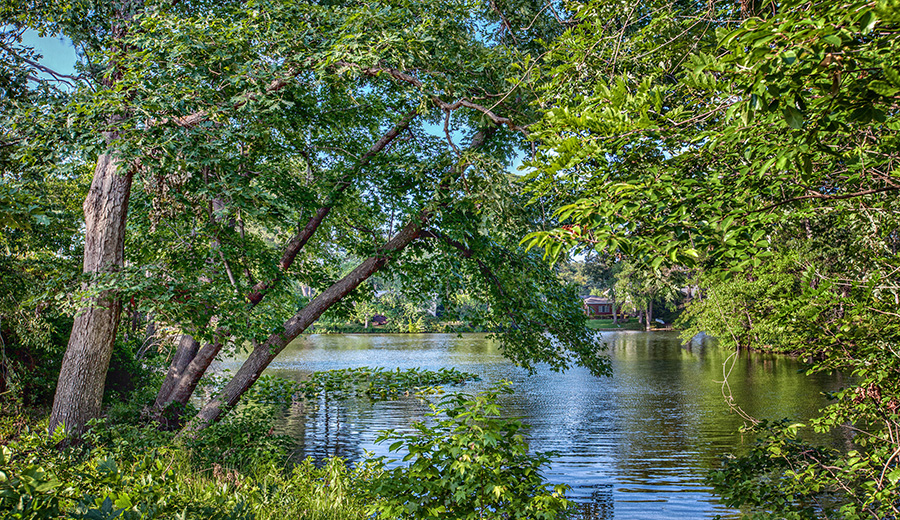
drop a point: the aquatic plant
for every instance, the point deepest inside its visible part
(373, 383)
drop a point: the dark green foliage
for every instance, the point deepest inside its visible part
(466, 462)
(40, 194)
(244, 439)
(785, 477)
(39, 482)
(764, 478)
(133, 475)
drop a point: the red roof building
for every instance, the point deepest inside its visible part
(597, 307)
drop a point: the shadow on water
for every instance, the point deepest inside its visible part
(636, 445)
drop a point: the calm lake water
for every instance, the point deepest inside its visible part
(636, 445)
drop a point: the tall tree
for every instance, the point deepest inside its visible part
(79, 390)
(250, 147)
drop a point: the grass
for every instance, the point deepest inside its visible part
(607, 324)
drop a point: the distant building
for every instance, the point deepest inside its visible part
(379, 320)
(597, 307)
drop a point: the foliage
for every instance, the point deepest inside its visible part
(594, 275)
(472, 460)
(38, 483)
(375, 383)
(758, 149)
(135, 473)
(274, 145)
(704, 166)
(642, 288)
(467, 463)
(789, 478)
(416, 315)
(736, 309)
(39, 215)
(246, 438)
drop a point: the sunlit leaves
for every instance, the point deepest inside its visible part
(771, 167)
(467, 462)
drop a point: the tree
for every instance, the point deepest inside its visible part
(250, 147)
(643, 287)
(37, 223)
(768, 157)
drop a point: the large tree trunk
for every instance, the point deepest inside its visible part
(79, 391)
(264, 353)
(650, 315)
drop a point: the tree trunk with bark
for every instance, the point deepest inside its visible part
(182, 380)
(264, 353)
(79, 391)
(184, 354)
(184, 385)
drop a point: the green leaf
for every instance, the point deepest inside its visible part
(891, 74)
(894, 476)
(793, 117)
(884, 88)
(833, 39)
(867, 21)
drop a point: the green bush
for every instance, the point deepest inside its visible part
(469, 464)
(127, 472)
(244, 439)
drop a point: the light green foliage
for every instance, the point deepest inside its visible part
(39, 483)
(703, 167)
(594, 275)
(758, 149)
(273, 158)
(649, 289)
(753, 310)
(466, 462)
(471, 460)
(374, 383)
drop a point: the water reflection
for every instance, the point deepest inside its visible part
(635, 445)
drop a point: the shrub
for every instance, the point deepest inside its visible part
(470, 463)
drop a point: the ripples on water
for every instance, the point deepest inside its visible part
(636, 445)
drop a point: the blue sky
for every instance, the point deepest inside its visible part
(58, 53)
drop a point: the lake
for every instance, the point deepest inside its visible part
(636, 445)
